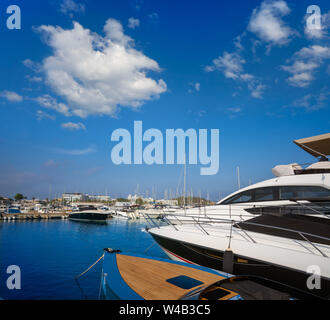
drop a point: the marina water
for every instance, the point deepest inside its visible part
(51, 253)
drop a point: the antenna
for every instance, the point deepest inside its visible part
(238, 179)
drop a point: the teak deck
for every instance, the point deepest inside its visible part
(150, 283)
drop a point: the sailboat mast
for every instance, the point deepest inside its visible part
(184, 183)
(238, 179)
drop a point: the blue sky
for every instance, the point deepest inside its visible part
(248, 68)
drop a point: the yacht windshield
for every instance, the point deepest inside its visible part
(279, 193)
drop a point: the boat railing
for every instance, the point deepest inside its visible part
(323, 205)
(206, 222)
(234, 211)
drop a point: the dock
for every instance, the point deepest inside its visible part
(33, 216)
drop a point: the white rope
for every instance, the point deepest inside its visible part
(77, 277)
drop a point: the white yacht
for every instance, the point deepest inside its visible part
(124, 213)
(292, 186)
(278, 229)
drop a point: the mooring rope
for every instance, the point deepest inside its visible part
(80, 275)
(145, 251)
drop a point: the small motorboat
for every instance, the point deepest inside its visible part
(138, 277)
(89, 213)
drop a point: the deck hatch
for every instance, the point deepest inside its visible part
(184, 282)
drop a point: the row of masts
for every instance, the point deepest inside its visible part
(187, 198)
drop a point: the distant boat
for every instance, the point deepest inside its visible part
(121, 215)
(89, 213)
(124, 278)
(13, 210)
(157, 212)
(126, 213)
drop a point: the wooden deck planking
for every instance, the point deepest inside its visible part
(148, 277)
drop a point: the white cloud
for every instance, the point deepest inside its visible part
(133, 23)
(315, 52)
(266, 22)
(73, 126)
(33, 78)
(70, 7)
(304, 64)
(73, 152)
(34, 66)
(312, 102)
(238, 42)
(43, 115)
(49, 102)
(301, 79)
(302, 73)
(196, 86)
(234, 110)
(231, 64)
(257, 90)
(97, 74)
(11, 96)
(300, 66)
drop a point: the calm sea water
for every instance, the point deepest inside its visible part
(51, 253)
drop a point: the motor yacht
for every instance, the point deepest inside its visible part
(278, 229)
(293, 185)
(89, 213)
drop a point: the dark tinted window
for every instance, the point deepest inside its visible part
(303, 192)
(279, 193)
(254, 195)
(264, 194)
(240, 198)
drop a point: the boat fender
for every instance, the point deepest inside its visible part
(109, 250)
(228, 261)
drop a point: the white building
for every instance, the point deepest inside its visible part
(99, 198)
(168, 202)
(73, 197)
(133, 199)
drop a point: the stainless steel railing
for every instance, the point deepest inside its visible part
(206, 222)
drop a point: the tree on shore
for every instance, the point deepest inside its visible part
(18, 197)
(139, 201)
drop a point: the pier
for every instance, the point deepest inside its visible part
(33, 216)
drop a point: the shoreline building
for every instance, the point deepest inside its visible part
(74, 197)
(99, 198)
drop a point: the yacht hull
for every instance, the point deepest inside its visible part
(242, 265)
(89, 216)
